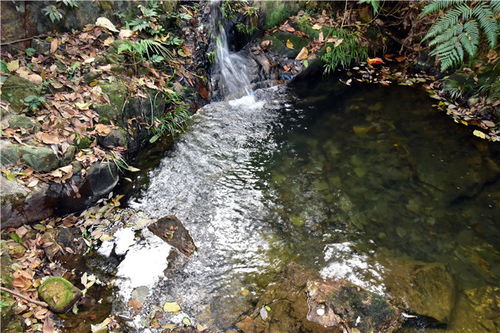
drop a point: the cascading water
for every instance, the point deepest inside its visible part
(234, 80)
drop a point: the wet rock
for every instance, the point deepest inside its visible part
(432, 291)
(59, 294)
(304, 302)
(478, 310)
(172, 231)
(64, 242)
(188, 329)
(41, 46)
(41, 159)
(342, 304)
(15, 89)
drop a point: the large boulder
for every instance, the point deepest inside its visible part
(20, 205)
(41, 159)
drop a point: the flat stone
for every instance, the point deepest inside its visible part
(59, 294)
(15, 89)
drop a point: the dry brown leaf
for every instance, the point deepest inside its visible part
(321, 37)
(302, 54)
(54, 44)
(102, 129)
(317, 27)
(48, 138)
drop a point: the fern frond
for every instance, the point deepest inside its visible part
(495, 5)
(489, 24)
(435, 6)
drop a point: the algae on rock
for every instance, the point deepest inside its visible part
(59, 294)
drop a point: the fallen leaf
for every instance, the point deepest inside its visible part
(338, 42)
(83, 106)
(479, 134)
(289, 44)
(105, 23)
(321, 37)
(35, 78)
(67, 168)
(135, 305)
(33, 183)
(102, 129)
(48, 138)
(317, 27)
(302, 54)
(13, 65)
(101, 327)
(125, 33)
(108, 41)
(400, 59)
(48, 326)
(54, 44)
(265, 44)
(488, 123)
(375, 61)
(172, 307)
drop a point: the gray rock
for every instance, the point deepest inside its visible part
(41, 159)
(68, 155)
(20, 205)
(9, 153)
(20, 121)
(117, 137)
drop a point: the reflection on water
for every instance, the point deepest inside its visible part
(370, 185)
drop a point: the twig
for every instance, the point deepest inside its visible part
(21, 40)
(12, 292)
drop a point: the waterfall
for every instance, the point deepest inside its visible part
(234, 80)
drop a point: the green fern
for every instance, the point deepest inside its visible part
(350, 49)
(457, 32)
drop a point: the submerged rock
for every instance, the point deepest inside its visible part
(59, 294)
(304, 302)
(172, 231)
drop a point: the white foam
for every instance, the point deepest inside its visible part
(143, 265)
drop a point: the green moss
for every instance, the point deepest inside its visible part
(117, 93)
(276, 12)
(278, 43)
(59, 294)
(16, 89)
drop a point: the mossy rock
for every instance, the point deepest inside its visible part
(20, 121)
(59, 294)
(117, 93)
(278, 43)
(9, 153)
(41, 159)
(15, 89)
(276, 12)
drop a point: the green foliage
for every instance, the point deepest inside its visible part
(374, 3)
(348, 49)
(54, 13)
(144, 49)
(172, 123)
(33, 102)
(245, 28)
(3, 67)
(30, 51)
(279, 13)
(148, 20)
(458, 31)
(69, 3)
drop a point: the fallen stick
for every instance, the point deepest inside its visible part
(13, 293)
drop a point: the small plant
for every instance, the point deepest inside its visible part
(458, 31)
(144, 49)
(55, 13)
(172, 123)
(33, 103)
(345, 49)
(30, 51)
(245, 29)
